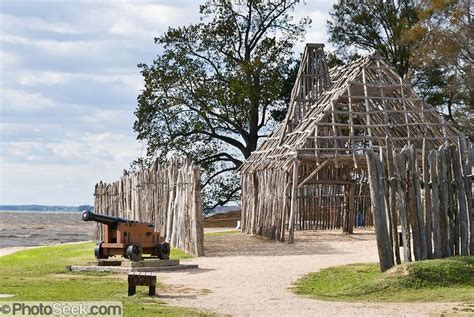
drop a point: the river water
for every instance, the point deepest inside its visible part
(26, 228)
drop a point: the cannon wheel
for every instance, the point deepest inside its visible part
(134, 252)
(99, 251)
(162, 250)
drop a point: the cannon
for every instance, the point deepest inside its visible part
(128, 238)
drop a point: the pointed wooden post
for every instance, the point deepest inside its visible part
(443, 208)
(392, 200)
(433, 158)
(462, 205)
(377, 197)
(400, 178)
(414, 205)
(468, 180)
(427, 201)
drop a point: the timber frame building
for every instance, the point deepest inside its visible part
(311, 172)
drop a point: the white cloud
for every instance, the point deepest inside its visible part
(123, 27)
(130, 78)
(57, 47)
(19, 101)
(41, 78)
(8, 60)
(107, 117)
(155, 14)
(66, 151)
(35, 170)
(97, 149)
(36, 24)
(319, 15)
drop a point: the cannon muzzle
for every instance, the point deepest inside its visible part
(106, 220)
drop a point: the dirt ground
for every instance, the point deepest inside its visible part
(245, 275)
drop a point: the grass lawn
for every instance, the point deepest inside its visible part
(450, 279)
(40, 275)
(222, 233)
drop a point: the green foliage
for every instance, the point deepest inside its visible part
(443, 37)
(450, 279)
(217, 87)
(374, 25)
(40, 274)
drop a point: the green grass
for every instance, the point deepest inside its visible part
(222, 233)
(450, 279)
(179, 254)
(40, 275)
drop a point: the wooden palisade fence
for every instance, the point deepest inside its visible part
(427, 195)
(167, 196)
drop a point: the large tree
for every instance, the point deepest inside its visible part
(445, 38)
(374, 25)
(211, 93)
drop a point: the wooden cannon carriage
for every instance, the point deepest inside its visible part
(127, 238)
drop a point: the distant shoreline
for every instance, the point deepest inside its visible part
(40, 211)
(35, 208)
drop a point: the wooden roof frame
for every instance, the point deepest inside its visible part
(340, 113)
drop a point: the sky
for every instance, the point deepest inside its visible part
(68, 87)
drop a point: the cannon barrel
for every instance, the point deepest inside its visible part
(106, 220)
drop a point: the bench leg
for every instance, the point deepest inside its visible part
(132, 289)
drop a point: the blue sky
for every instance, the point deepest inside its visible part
(68, 88)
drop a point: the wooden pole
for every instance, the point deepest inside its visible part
(468, 163)
(433, 158)
(451, 203)
(443, 201)
(378, 209)
(419, 207)
(392, 200)
(352, 206)
(413, 206)
(462, 204)
(386, 199)
(400, 182)
(294, 202)
(427, 200)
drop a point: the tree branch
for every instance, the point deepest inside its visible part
(222, 171)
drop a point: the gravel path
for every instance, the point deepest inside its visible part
(246, 275)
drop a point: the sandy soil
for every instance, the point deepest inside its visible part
(245, 275)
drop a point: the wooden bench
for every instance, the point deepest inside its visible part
(141, 278)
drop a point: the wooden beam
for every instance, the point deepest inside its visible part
(320, 167)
